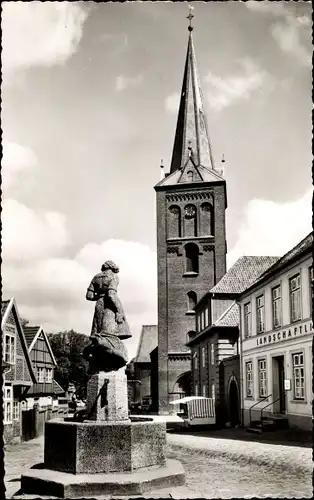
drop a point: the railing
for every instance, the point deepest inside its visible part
(257, 403)
(271, 403)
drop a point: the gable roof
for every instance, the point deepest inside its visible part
(303, 246)
(243, 274)
(147, 343)
(32, 333)
(230, 317)
(8, 306)
(4, 305)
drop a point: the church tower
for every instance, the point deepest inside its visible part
(191, 240)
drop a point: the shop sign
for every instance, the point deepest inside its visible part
(286, 334)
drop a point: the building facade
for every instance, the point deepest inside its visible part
(143, 366)
(215, 342)
(17, 369)
(276, 331)
(46, 390)
(191, 243)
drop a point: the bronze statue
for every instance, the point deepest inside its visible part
(107, 351)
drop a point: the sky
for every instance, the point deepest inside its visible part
(89, 107)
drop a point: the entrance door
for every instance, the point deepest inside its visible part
(234, 403)
(281, 380)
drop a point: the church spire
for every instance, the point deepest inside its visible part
(191, 132)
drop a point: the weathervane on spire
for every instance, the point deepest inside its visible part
(190, 17)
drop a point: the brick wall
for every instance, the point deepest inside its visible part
(173, 287)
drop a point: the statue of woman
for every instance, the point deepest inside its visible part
(106, 351)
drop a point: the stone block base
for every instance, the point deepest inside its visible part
(92, 447)
(63, 485)
(113, 404)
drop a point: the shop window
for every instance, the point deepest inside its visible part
(192, 258)
(298, 376)
(249, 379)
(247, 320)
(8, 404)
(9, 348)
(295, 298)
(262, 378)
(276, 306)
(260, 314)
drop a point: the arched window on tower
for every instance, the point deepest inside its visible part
(192, 300)
(206, 219)
(190, 220)
(192, 258)
(190, 176)
(174, 222)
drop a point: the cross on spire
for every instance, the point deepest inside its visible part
(190, 17)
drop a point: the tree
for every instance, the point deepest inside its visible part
(67, 348)
(24, 322)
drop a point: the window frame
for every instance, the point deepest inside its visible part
(260, 319)
(291, 297)
(299, 366)
(212, 353)
(48, 375)
(203, 354)
(275, 301)
(41, 374)
(251, 394)
(212, 390)
(204, 390)
(8, 403)
(16, 410)
(262, 381)
(12, 348)
(247, 320)
(311, 294)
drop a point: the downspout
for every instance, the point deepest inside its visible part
(241, 365)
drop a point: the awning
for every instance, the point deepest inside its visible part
(186, 399)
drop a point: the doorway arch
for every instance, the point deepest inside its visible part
(234, 402)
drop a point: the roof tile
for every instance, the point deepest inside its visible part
(243, 274)
(230, 317)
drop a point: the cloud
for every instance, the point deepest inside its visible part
(15, 159)
(271, 228)
(292, 33)
(224, 92)
(28, 235)
(172, 102)
(39, 33)
(292, 36)
(125, 82)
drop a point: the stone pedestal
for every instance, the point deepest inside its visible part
(93, 447)
(112, 404)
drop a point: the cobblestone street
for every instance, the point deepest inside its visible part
(215, 468)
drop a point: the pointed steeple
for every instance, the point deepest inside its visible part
(191, 138)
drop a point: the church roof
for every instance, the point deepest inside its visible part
(243, 274)
(192, 159)
(147, 343)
